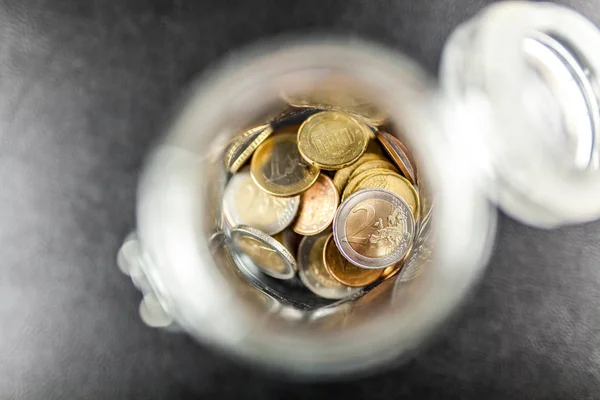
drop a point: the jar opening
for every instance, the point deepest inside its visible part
(182, 227)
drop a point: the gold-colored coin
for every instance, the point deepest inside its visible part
(343, 270)
(234, 142)
(332, 140)
(399, 154)
(317, 266)
(395, 183)
(244, 203)
(278, 169)
(371, 165)
(341, 177)
(241, 148)
(357, 179)
(317, 207)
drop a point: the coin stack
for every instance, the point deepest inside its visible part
(329, 176)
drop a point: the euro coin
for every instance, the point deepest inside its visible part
(266, 253)
(312, 271)
(332, 140)
(317, 207)
(341, 177)
(241, 148)
(374, 228)
(278, 169)
(244, 203)
(344, 271)
(395, 183)
(357, 179)
(370, 165)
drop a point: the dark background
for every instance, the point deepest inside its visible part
(87, 86)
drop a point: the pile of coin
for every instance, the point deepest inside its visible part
(326, 195)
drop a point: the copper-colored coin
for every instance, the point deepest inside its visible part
(278, 169)
(332, 140)
(399, 154)
(392, 181)
(341, 177)
(317, 207)
(344, 271)
(243, 146)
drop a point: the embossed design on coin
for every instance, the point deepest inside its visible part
(313, 273)
(278, 168)
(385, 233)
(399, 153)
(265, 252)
(392, 181)
(374, 228)
(344, 271)
(244, 203)
(332, 140)
(317, 207)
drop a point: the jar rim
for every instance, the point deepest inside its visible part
(168, 214)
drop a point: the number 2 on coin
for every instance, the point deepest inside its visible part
(366, 222)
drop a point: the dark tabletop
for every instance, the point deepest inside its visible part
(85, 89)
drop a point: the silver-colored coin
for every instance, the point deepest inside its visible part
(244, 203)
(264, 251)
(374, 228)
(313, 273)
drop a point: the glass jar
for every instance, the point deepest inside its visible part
(497, 128)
